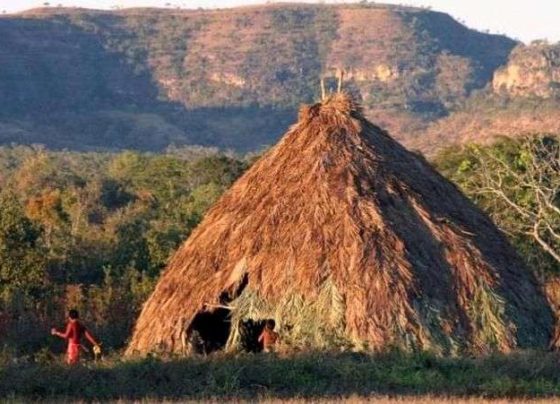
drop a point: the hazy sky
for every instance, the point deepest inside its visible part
(522, 19)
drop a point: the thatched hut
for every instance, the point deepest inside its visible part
(552, 289)
(345, 239)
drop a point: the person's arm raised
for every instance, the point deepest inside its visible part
(64, 334)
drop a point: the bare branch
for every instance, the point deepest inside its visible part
(535, 234)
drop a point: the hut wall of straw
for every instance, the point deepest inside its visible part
(337, 203)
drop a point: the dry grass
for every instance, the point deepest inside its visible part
(319, 323)
(414, 263)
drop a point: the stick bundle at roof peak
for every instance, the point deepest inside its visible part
(335, 104)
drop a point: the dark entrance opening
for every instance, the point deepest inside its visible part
(249, 333)
(211, 327)
(209, 331)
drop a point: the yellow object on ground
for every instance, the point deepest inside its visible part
(96, 350)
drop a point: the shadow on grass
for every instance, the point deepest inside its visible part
(310, 375)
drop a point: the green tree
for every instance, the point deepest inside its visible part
(517, 182)
(25, 294)
(22, 265)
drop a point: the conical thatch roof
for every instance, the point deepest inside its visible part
(345, 237)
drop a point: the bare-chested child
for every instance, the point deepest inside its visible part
(269, 337)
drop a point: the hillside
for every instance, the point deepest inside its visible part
(531, 71)
(148, 78)
(523, 98)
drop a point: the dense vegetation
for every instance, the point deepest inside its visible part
(516, 181)
(94, 231)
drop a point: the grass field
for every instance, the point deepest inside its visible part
(311, 376)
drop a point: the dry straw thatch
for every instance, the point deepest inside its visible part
(347, 239)
(552, 289)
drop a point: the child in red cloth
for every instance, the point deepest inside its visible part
(74, 333)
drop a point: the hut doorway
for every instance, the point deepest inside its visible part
(209, 331)
(211, 327)
(249, 333)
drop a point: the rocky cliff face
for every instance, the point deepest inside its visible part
(531, 71)
(523, 99)
(147, 78)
